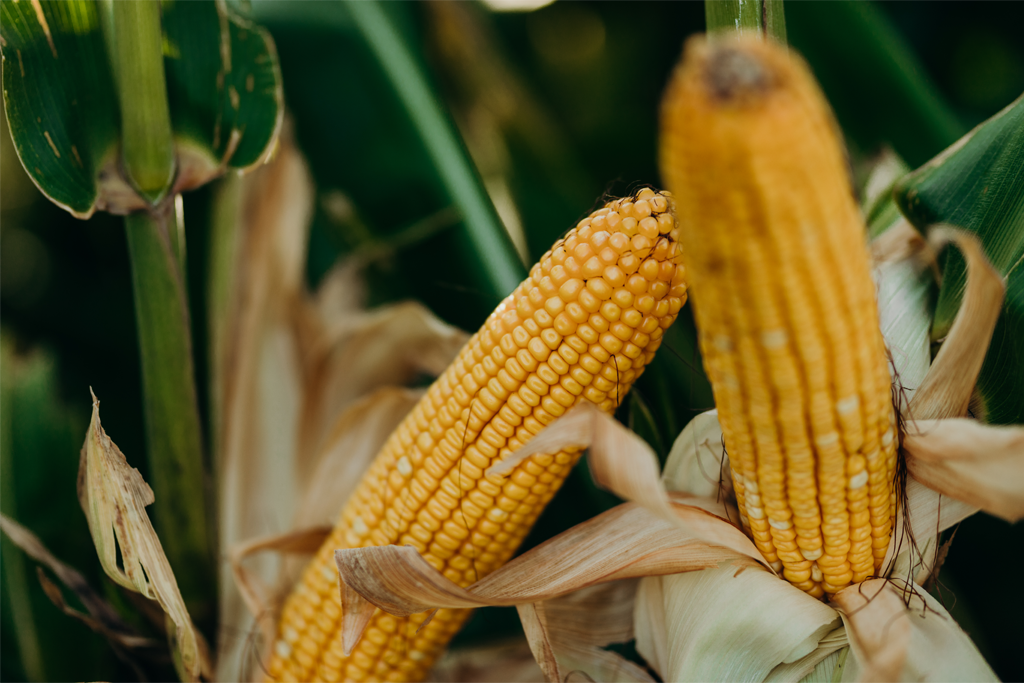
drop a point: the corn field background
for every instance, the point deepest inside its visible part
(557, 107)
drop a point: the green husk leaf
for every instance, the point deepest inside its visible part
(977, 185)
(223, 83)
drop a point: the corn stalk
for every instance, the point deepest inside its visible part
(157, 252)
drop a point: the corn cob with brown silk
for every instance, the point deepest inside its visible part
(583, 325)
(783, 297)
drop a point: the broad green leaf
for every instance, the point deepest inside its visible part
(59, 96)
(223, 83)
(977, 184)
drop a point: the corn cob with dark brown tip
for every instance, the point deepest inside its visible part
(777, 260)
(583, 325)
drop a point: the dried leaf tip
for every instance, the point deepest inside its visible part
(114, 497)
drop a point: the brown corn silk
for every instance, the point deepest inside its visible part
(583, 325)
(777, 259)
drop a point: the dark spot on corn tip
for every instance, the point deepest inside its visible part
(732, 73)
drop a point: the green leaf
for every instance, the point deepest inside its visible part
(224, 87)
(223, 83)
(59, 96)
(977, 184)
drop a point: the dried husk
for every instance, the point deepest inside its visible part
(583, 622)
(627, 541)
(508, 661)
(946, 390)
(695, 463)
(621, 462)
(114, 497)
(902, 633)
(979, 464)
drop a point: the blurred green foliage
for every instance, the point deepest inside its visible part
(557, 107)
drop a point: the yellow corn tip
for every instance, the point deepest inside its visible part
(783, 298)
(583, 325)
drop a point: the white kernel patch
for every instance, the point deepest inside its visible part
(290, 634)
(827, 440)
(416, 655)
(283, 649)
(777, 565)
(774, 339)
(750, 484)
(816, 573)
(858, 480)
(329, 572)
(848, 405)
(811, 555)
(404, 466)
(722, 343)
(887, 437)
(780, 524)
(755, 513)
(359, 526)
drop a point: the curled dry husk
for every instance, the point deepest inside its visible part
(114, 497)
(903, 633)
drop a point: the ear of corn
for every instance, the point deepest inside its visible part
(783, 298)
(583, 325)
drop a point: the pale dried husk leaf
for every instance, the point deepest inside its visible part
(358, 434)
(947, 388)
(619, 460)
(979, 464)
(899, 242)
(901, 633)
(904, 290)
(348, 353)
(114, 497)
(260, 599)
(257, 382)
(726, 625)
(930, 513)
(535, 626)
(695, 463)
(626, 541)
(817, 665)
(502, 662)
(583, 622)
(355, 440)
